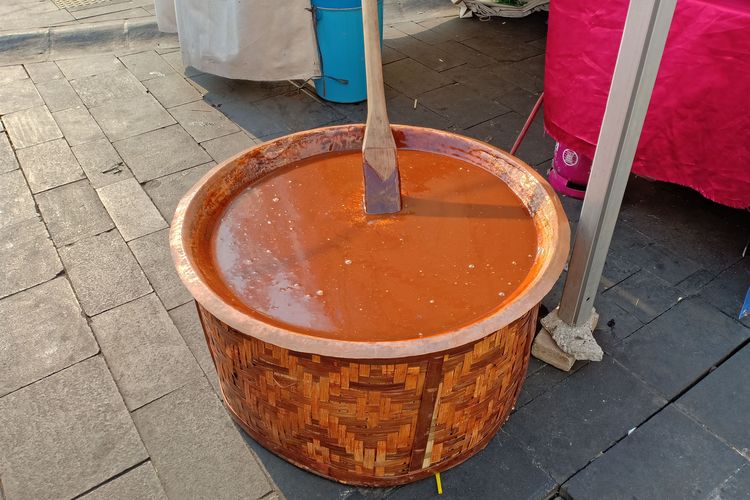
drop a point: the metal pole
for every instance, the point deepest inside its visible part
(646, 28)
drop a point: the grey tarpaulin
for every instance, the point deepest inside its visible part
(244, 39)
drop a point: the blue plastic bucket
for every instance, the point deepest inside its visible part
(338, 26)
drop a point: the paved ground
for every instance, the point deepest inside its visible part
(106, 386)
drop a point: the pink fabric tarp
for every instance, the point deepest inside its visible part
(697, 130)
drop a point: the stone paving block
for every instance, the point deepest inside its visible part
(510, 74)
(65, 434)
(223, 148)
(429, 55)
(693, 284)
(617, 267)
(12, 73)
(545, 379)
(8, 160)
(101, 163)
(167, 191)
(49, 164)
(680, 346)
(721, 401)
(502, 132)
(185, 318)
(670, 456)
(72, 212)
(123, 118)
(500, 49)
(615, 323)
(153, 254)
(103, 272)
(417, 31)
(298, 110)
(146, 65)
(218, 90)
(671, 266)
(161, 152)
(31, 127)
(99, 89)
(196, 448)
(144, 350)
(571, 424)
(202, 121)
(172, 90)
(78, 126)
(27, 256)
(17, 95)
(519, 100)
(514, 475)
(452, 28)
(412, 78)
(390, 55)
(728, 290)
(140, 483)
(41, 336)
(16, 202)
(481, 80)
(734, 487)
(90, 65)
(58, 95)
(401, 110)
(43, 71)
(255, 122)
(461, 105)
(174, 59)
(131, 209)
(644, 295)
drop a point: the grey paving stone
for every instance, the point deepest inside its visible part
(101, 163)
(223, 148)
(429, 55)
(185, 318)
(196, 448)
(12, 73)
(461, 105)
(721, 401)
(8, 160)
(16, 202)
(667, 264)
(481, 80)
(167, 191)
(58, 95)
(514, 475)
(671, 456)
(218, 90)
(123, 118)
(103, 272)
(146, 65)
(18, 95)
(617, 269)
(31, 127)
(644, 295)
(728, 290)
(153, 254)
(615, 323)
(141, 483)
(131, 209)
(41, 336)
(43, 71)
(501, 49)
(401, 110)
(298, 111)
(78, 126)
(390, 55)
(161, 152)
(693, 283)
(571, 424)
(254, 121)
(543, 380)
(680, 346)
(509, 73)
(144, 351)
(734, 487)
(172, 90)
(174, 59)
(65, 434)
(452, 28)
(412, 78)
(90, 65)
(414, 30)
(99, 89)
(202, 121)
(519, 100)
(72, 212)
(502, 132)
(27, 256)
(49, 164)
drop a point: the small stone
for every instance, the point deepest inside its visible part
(577, 341)
(131, 209)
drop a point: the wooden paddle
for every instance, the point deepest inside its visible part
(382, 184)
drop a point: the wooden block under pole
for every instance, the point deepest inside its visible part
(545, 349)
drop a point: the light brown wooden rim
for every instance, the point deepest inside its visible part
(542, 199)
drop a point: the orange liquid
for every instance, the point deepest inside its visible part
(298, 251)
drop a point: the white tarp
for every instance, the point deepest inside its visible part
(244, 39)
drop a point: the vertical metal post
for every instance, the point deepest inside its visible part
(646, 28)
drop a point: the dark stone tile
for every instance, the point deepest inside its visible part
(616, 269)
(507, 72)
(534, 66)
(412, 78)
(519, 100)
(728, 290)
(614, 324)
(721, 401)
(693, 283)
(390, 55)
(502, 132)
(644, 295)
(570, 425)
(431, 56)
(680, 346)
(671, 456)
(670, 265)
(542, 381)
(482, 80)
(452, 28)
(462, 105)
(401, 110)
(298, 111)
(458, 51)
(502, 470)
(255, 121)
(734, 487)
(417, 31)
(502, 49)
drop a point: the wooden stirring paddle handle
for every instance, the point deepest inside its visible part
(382, 185)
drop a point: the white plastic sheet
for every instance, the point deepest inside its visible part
(244, 39)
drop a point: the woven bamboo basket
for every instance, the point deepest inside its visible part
(368, 413)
